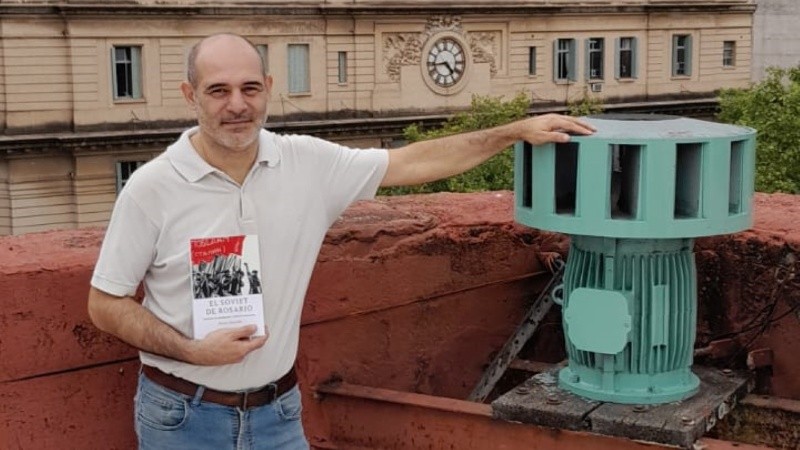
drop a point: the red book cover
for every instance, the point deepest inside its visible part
(226, 284)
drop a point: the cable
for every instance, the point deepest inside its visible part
(782, 275)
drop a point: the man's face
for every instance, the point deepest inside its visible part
(231, 95)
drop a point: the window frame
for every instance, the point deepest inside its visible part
(302, 87)
(341, 70)
(598, 51)
(133, 66)
(263, 50)
(121, 166)
(682, 55)
(620, 49)
(532, 61)
(729, 55)
(564, 60)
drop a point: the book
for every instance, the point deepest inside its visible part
(226, 284)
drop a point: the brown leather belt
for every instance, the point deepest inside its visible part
(243, 400)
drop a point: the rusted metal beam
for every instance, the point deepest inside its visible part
(716, 444)
(362, 417)
(718, 349)
(759, 358)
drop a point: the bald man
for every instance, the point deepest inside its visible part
(235, 387)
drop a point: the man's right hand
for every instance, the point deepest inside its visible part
(225, 346)
(128, 320)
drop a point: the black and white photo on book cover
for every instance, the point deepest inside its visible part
(226, 284)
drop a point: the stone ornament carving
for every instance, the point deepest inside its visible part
(400, 49)
(405, 49)
(438, 24)
(484, 47)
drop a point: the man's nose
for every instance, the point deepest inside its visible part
(236, 102)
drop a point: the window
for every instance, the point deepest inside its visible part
(127, 72)
(263, 50)
(681, 55)
(564, 56)
(729, 54)
(595, 49)
(531, 60)
(124, 171)
(625, 58)
(299, 82)
(342, 67)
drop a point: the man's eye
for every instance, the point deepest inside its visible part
(219, 92)
(252, 90)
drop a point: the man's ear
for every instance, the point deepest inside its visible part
(188, 94)
(268, 84)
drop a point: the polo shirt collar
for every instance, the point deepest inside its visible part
(191, 166)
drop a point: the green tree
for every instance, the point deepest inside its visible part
(585, 106)
(495, 174)
(773, 108)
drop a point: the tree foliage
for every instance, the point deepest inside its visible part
(495, 174)
(773, 108)
(585, 106)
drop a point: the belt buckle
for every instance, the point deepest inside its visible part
(272, 387)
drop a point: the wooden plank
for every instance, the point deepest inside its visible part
(540, 401)
(678, 423)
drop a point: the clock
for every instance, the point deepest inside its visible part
(445, 62)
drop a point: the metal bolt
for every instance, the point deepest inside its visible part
(711, 420)
(686, 420)
(723, 410)
(639, 408)
(553, 399)
(523, 390)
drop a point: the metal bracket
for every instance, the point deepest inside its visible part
(524, 332)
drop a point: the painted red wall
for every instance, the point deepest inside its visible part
(410, 293)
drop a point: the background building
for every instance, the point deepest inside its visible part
(775, 41)
(89, 91)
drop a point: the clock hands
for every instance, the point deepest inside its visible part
(446, 63)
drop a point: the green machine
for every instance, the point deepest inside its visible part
(633, 196)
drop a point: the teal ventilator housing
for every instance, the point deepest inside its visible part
(633, 196)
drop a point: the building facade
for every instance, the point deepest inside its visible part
(775, 42)
(89, 91)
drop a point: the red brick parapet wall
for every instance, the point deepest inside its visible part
(410, 293)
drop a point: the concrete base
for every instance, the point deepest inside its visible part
(540, 401)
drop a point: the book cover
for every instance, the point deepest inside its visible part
(226, 284)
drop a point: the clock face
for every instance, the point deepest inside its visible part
(446, 62)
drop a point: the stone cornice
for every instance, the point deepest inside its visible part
(127, 9)
(22, 146)
(51, 143)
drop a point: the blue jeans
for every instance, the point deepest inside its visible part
(168, 420)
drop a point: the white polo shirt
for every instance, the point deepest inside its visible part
(296, 190)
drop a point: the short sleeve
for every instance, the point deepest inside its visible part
(341, 175)
(358, 172)
(128, 249)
